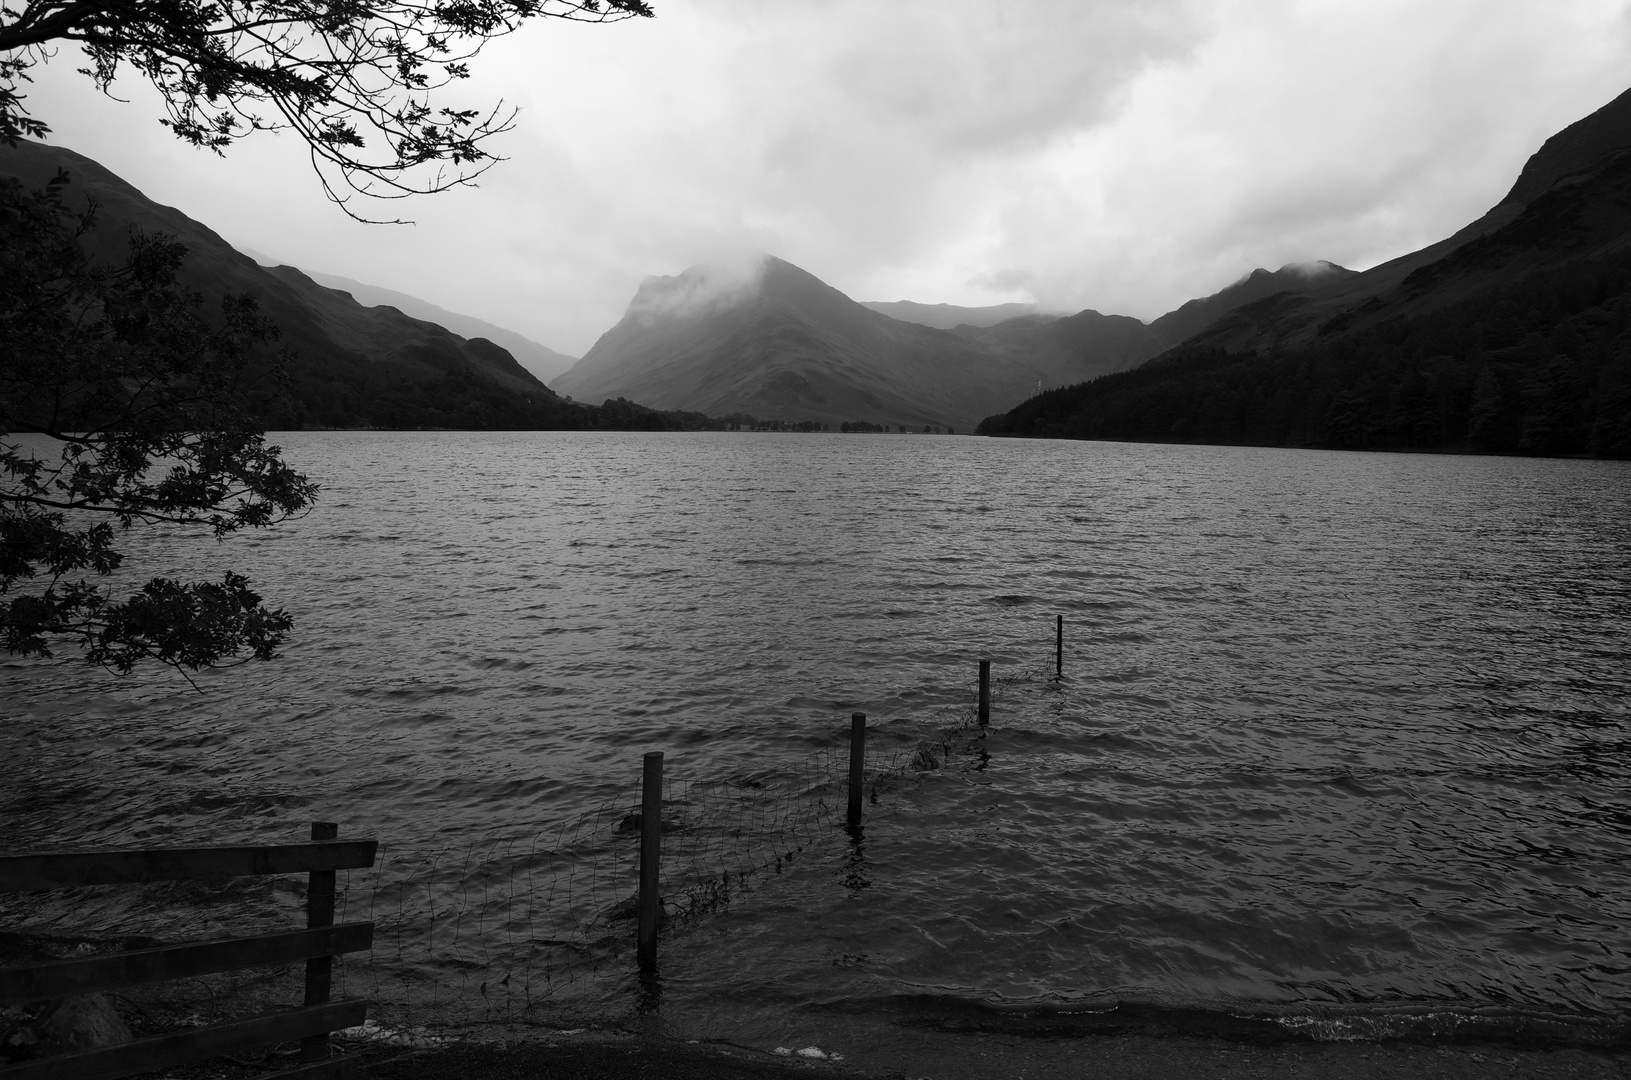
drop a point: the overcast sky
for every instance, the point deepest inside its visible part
(1123, 156)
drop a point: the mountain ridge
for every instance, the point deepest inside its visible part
(351, 366)
(949, 316)
(784, 343)
(812, 353)
(544, 363)
(1512, 335)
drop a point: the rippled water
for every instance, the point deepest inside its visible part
(1342, 738)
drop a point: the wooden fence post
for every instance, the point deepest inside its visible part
(985, 692)
(319, 969)
(1059, 648)
(857, 766)
(651, 833)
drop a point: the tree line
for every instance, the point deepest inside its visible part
(1539, 366)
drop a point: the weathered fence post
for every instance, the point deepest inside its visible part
(319, 969)
(985, 692)
(1059, 647)
(857, 766)
(651, 837)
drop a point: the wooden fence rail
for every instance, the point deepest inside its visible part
(24, 873)
(316, 945)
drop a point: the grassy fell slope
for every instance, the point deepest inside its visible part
(784, 344)
(351, 366)
(1510, 336)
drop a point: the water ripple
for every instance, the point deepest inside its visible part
(1338, 731)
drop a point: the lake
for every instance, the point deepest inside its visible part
(1342, 744)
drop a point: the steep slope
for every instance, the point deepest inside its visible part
(1579, 146)
(1067, 350)
(785, 345)
(1088, 344)
(1488, 252)
(948, 316)
(1182, 323)
(544, 363)
(1511, 335)
(352, 366)
(780, 343)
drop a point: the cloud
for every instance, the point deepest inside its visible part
(699, 290)
(1302, 130)
(1124, 155)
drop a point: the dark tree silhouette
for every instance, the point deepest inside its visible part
(358, 80)
(120, 406)
(1541, 365)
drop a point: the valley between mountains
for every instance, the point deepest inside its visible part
(1511, 335)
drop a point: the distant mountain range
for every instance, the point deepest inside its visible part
(777, 341)
(545, 363)
(352, 366)
(1511, 335)
(948, 316)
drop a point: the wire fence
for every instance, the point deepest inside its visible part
(498, 932)
(524, 930)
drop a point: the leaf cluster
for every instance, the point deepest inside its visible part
(357, 80)
(121, 406)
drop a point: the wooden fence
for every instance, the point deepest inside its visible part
(317, 945)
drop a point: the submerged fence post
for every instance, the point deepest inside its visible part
(651, 833)
(1059, 647)
(985, 692)
(319, 969)
(857, 766)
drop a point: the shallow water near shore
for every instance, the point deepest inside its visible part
(1342, 745)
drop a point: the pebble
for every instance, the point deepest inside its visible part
(809, 1053)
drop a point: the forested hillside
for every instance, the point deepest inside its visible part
(1539, 366)
(1509, 337)
(334, 362)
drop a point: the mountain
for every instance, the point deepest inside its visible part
(351, 366)
(948, 316)
(1066, 350)
(1178, 325)
(545, 363)
(1510, 336)
(781, 343)
(776, 341)
(1088, 344)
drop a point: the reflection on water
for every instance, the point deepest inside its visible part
(1337, 731)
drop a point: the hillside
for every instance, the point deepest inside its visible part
(1066, 350)
(781, 343)
(1088, 344)
(350, 366)
(1182, 323)
(778, 342)
(1509, 336)
(544, 363)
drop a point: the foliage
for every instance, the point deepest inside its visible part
(121, 406)
(360, 81)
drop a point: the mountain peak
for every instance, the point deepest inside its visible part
(698, 290)
(1317, 270)
(1291, 275)
(773, 340)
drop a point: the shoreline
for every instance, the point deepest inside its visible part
(921, 1056)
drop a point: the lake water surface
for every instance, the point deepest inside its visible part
(1343, 739)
